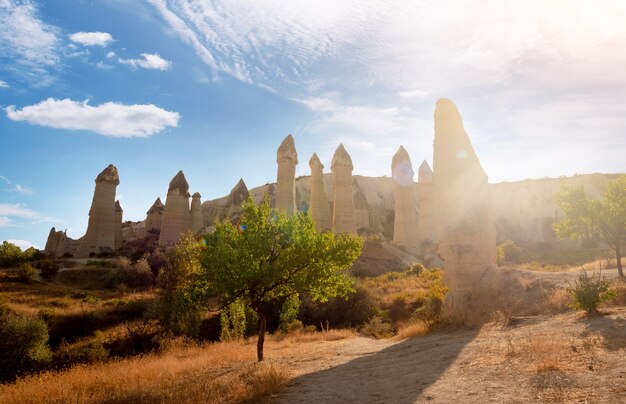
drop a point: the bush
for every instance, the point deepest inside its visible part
(233, 321)
(377, 328)
(508, 251)
(137, 276)
(289, 313)
(48, 267)
(81, 352)
(357, 309)
(26, 273)
(589, 291)
(23, 345)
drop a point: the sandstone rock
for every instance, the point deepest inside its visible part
(56, 244)
(405, 227)
(100, 234)
(361, 207)
(343, 206)
(176, 217)
(319, 208)
(118, 225)
(196, 214)
(427, 220)
(464, 210)
(154, 216)
(287, 159)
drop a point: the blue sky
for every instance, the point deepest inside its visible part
(212, 87)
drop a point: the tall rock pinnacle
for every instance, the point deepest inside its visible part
(319, 207)
(344, 219)
(287, 159)
(405, 230)
(196, 223)
(176, 217)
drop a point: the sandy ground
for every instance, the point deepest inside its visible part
(564, 358)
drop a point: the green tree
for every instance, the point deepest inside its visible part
(269, 257)
(233, 321)
(179, 308)
(604, 218)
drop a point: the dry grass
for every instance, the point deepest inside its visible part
(393, 285)
(224, 372)
(558, 301)
(415, 329)
(306, 336)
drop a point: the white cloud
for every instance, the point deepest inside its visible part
(148, 61)
(518, 71)
(23, 244)
(110, 118)
(5, 221)
(4, 84)
(22, 189)
(110, 55)
(15, 209)
(91, 38)
(28, 41)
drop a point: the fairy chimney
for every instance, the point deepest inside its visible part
(343, 206)
(176, 217)
(118, 225)
(405, 226)
(154, 216)
(287, 159)
(427, 222)
(196, 213)
(319, 209)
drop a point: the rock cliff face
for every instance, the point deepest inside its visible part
(176, 218)
(464, 215)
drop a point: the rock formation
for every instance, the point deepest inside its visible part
(154, 216)
(405, 227)
(465, 215)
(56, 244)
(176, 220)
(319, 208)
(427, 220)
(118, 225)
(196, 223)
(287, 159)
(361, 207)
(343, 205)
(100, 236)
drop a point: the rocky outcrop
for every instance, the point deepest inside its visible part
(154, 216)
(118, 225)
(196, 223)
(56, 244)
(287, 159)
(405, 233)
(343, 206)
(361, 207)
(100, 236)
(319, 207)
(464, 211)
(427, 221)
(176, 217)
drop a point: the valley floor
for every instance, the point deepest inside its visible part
(563, 358)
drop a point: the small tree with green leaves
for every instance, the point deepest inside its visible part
(233, 321)
(604, 218)
(270, 256)
(179, 308)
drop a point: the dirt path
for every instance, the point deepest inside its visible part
(565, 358)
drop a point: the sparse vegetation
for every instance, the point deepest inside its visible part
(589, 291)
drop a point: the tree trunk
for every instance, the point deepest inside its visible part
(261, 339)
(618, 257)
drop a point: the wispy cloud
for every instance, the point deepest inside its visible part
(4, 84)
(386, 63)
(9, 212)
(16, 187)
(5, 221)
(109, 119)
(151, 61)
(31, 44)
(91, 38)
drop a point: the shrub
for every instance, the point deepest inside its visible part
(589, 291)
(81, 352)
(289, 313)
(178, 310)
(233, 321)
(415, 268)
(508, 251)
(377, 328)
(48, 268)
(357, 309)
(26, 273)
(23, 345)
(137, 276)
